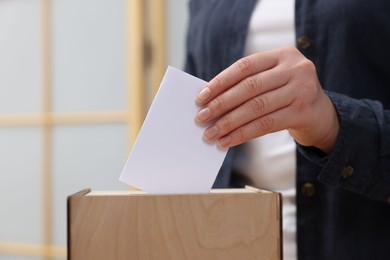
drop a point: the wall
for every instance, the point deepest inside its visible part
(66, 113)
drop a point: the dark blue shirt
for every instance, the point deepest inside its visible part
(343, 200)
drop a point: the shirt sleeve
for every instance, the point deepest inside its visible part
(360, 161)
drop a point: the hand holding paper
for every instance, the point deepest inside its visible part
(170, 155)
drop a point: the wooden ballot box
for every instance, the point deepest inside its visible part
(224, 224)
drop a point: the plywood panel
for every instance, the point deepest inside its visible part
(229, 225)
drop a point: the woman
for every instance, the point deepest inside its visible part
(342, 190)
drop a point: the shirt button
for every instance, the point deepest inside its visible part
(308, 189)
(347, 172)
(304, 42)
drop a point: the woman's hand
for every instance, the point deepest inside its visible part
(267, 92)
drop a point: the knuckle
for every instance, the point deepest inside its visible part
(305, 66)
(306, 98)
(308, 88)
(300, 105)
(257, 105)
(226, 123)
(265, 124)
(287, 51)
(251, 85)
(240, 133)
(302, 101)
(216, 84)
(308, 65)
(218, 104)
(244, 65)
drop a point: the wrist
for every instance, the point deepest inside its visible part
(328, 140)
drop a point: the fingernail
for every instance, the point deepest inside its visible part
(210, 132)
(203, 95)
(225, 141)
(203, 114)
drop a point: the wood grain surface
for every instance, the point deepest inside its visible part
(223, 225)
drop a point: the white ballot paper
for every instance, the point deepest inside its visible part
(170, 155)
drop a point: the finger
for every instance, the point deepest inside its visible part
(279, 120)
(249, 111)
(245, 90)
(239, 70)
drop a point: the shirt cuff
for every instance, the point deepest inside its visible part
(353, 163)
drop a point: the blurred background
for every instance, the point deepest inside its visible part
(76, 79)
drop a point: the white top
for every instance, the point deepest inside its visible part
(272, 158)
